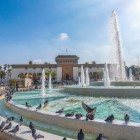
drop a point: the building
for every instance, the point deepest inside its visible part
(66, 68)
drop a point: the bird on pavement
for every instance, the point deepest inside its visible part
(27, 105)
(60, 111)
(39, 107)
(31, 125)
(2, 125)
(35, 135)
(14, 130)
(8, 126)
(21, 120)
(10, 119)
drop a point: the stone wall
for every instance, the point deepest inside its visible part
(117, 129)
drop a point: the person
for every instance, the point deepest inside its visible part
(126, 118)
(80, 135)
(64, 138)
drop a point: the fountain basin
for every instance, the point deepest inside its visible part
(126, 83)
(117, 129)
(104, 91)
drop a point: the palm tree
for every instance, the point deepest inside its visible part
(53, 74)
(21, 75)
(2, 75)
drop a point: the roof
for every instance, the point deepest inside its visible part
(67, 56)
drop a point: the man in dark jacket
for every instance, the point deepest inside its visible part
(80, 135)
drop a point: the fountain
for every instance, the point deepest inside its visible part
(43, 83)
(87, 77)
(130, 75)
(50, 83)
(79, 83)
(117, 62)
(106, 76)
(82, 76)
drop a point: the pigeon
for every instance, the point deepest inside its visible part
(46, 103)
(78, 116)
(10, 119)
(8, 126)
(110, 118)
(35, 135)
(21, 120)
(2, 125)
(14, 130)
(69, 114)
(27, 105)
(60, 111)
(126, 118)
(39, 107)
(31, 126)
(87, 108)
(101, 137)
(90, 111)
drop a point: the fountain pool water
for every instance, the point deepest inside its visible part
(105, 106)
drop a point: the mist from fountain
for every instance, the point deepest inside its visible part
(117, 69)
(43, 83)
(106, 76)
(87, 77)
(130, 75)
(50, 82)
(79, 81)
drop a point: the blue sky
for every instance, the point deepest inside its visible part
(39, 30)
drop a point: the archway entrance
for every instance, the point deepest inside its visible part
(67, 77)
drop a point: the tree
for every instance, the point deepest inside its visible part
(30, 62)
(2, 75)
(93, 62)
(21, 75)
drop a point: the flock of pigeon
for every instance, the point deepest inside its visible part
(7, 125)
(89, 116)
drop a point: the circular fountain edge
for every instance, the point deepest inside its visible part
(117, 129)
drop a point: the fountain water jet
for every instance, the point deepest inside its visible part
(117, 61)
(82, 76)
(43, 83)
(87, 77)
(79, 83)
(50, 81)
(130, 75)
(106, 76)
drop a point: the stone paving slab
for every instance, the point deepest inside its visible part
(25, 134)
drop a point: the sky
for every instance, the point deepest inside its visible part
(39, 30)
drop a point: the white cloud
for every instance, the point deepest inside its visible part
(63, 36)
(38, 61)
